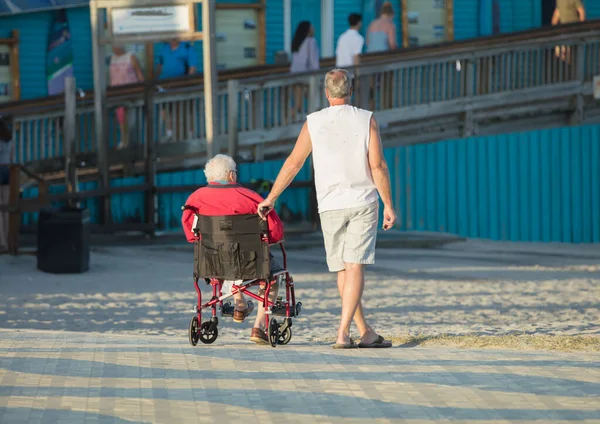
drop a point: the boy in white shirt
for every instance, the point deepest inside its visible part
(350, 43)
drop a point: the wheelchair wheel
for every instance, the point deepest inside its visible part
(273, 332)
(284, 336)
(206, 335)
(193, 331)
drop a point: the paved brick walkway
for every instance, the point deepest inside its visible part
(56, 377)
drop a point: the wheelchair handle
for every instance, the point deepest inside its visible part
(188, 207)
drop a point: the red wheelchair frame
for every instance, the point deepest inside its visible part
(278, 333)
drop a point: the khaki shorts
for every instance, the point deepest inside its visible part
(350, 235)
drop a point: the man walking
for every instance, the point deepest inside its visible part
(349, 171)
(350, 44)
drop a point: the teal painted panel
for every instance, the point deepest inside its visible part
(79, 23)
(274, 29)
(534, 186)
(592, 9)
(33, 39)
(307, 10)
(466, 23)
(343, 8)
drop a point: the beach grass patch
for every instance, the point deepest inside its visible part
(562, 343)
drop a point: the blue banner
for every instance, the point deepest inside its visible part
(9, 7)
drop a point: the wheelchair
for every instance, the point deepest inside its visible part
(236, 248)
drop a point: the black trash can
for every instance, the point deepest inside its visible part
(63, 245)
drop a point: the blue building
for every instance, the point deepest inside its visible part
(263, 27)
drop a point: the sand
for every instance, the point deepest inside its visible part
(467, 288)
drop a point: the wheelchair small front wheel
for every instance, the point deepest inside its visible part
(193, 331)
(208, 335)
(284, 336)
(273, 332)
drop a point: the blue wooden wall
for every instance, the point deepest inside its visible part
(534, 186)
(33, 28)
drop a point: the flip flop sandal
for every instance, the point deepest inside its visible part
(380, 342)
(351, 345)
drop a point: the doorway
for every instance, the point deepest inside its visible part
(548, 7)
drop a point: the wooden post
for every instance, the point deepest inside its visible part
(449, 20)
(577, 116)
(262, 32)
(210, 74)
(404, 19)
(233, 89)
(14, 62)
(151, 198)
(314, 97)
(100, 112)
(468, 128)
(70, 138)
(364, 90)
(14, 216)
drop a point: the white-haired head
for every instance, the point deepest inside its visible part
(338, 85)
(221, 168)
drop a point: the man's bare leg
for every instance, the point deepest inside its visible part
(355, 276)
(359, 317)
(353, 288)
(260, 312)
(240, 301)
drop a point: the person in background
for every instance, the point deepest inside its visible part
(381, 34)
(305, 58)
(124, 68)
(381, 37)
(6, 158)
(175, 59)
(568, 11)
(350, 44)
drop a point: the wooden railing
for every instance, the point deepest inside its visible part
(255, 115)
(439, 92)
(17, 206)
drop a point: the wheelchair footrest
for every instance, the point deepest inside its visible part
(228, 309)
(279, 310)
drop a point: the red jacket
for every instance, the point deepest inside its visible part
(230, 199)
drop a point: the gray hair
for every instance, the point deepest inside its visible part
(219, 167)
(338, 83)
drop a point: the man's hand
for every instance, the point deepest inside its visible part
(389, 217)
(265, 207)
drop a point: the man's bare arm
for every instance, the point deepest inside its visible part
(293, 164)
(555, 17)
(378, 165)
(581, 11)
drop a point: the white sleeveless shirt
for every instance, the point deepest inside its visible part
(340, 142)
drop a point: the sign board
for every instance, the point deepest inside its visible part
(236, 38)
(597, 87)
(146, 20)
(426, 22)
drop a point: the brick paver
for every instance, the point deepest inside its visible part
(111, 345)
(52, 377)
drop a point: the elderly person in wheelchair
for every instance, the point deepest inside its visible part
(223, 196)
